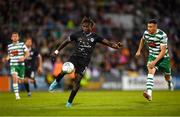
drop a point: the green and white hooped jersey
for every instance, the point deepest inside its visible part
(153, 42)
(16, 51)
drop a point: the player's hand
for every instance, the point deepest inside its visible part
(39, 70)
(117, 45)
(138, 54)
(21, 59)
(54, 54)
(152, 64)
(6, 59)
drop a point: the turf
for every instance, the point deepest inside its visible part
(91, 103)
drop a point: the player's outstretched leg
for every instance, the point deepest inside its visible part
(169, 81)
(76, 86)
(55, 83)
(149, 85)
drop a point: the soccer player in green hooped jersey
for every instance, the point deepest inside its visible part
(158, 59)
(17, 53)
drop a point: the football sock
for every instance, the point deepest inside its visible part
(59, 77)
(169, 81)
(16, 89)
(35, 84)
(149, 84)
(76, 87)
(72, 95)
(27, 87)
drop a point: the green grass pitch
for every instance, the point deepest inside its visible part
(91, 103)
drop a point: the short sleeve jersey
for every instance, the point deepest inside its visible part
(153, 42)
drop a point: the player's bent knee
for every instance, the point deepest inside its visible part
(167, 77)
(151, 70)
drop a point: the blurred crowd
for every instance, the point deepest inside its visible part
(49, 22)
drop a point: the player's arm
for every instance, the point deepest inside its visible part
(162, 53)
(39, 63)
(5, 58)
(61, 46)
(26, 54)
(111, 44)
(141, 45)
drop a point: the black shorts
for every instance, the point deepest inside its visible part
(29, 73)
(79, 63)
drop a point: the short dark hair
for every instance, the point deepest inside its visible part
(15, 33)
(28, 38)
(88, 20)
(154, 21)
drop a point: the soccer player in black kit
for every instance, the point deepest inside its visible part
(31, 65)
(85, 41)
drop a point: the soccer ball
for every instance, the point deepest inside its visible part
(68, 67)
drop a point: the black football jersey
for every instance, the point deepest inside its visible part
(31, 61)
(84, 43)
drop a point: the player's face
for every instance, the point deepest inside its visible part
(151, 28)
(28, 43)
(86, 27)
(14, 37)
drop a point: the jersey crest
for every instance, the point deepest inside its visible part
(92, 39)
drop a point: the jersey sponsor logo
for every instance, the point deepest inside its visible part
(85, 46)
(151, 44)
(14, 52)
